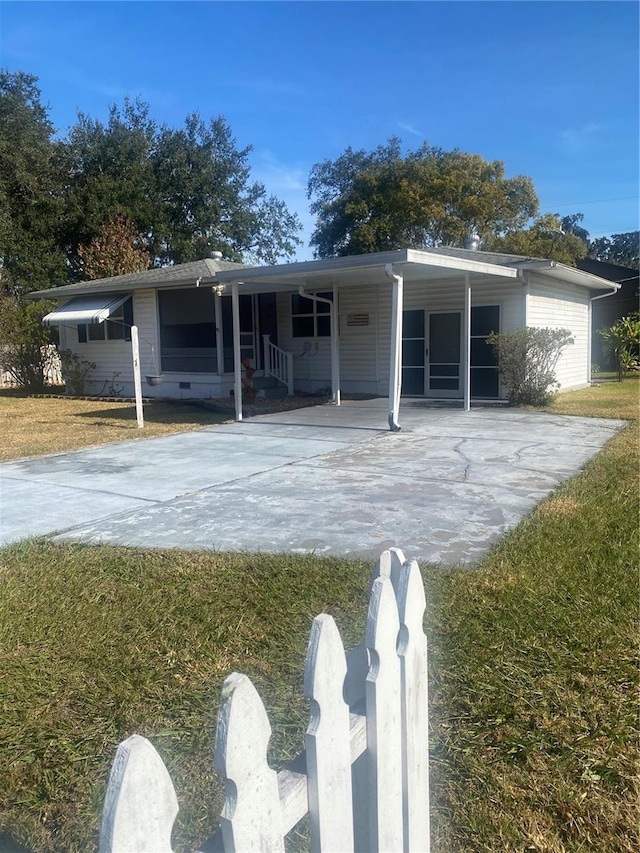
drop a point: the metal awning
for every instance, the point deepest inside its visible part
(85, 309)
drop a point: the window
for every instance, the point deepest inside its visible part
(116, 328)
(310, 319)
(188, 335)
(485, 380)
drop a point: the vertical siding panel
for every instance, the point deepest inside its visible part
(560, 305)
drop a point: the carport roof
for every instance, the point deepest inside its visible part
(364, 269)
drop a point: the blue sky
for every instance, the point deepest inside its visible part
(549, 88)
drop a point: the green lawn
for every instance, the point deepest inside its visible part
(33, 426)
(533, 662)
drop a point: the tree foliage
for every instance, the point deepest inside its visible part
(527, 361)
(116, 250)
(381, 200)
(187, 191)
(31, 189)
(622, 249)
(546, 238)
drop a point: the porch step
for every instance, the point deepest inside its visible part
(272, 393)
(269, 386)
(265, 382)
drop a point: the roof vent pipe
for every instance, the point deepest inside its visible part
(215, 256)
(472, 241)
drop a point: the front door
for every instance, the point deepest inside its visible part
(444, 354)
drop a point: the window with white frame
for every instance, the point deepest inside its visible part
(310, 319)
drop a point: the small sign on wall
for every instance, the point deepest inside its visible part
(357, 319)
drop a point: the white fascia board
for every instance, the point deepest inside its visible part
(415, 256)
(106, 285)
(572, 275)
(305, 269)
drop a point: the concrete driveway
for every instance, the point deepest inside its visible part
(324, 479)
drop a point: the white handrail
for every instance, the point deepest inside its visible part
(278, 363)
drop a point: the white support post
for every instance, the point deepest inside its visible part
(217, 303)
(237, 362)
(590, 326)
(467, 343)
(137, 381)
(395, 365)
(335, 349)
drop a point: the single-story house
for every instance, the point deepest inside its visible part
(607, 311)
(401, 322)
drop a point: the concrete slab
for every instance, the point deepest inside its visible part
(324, 479)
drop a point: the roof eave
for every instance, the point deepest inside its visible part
(556, 270)
(349, 263)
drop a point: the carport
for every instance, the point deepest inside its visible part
(400, 267)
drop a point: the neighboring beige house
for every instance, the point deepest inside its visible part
(415, 319)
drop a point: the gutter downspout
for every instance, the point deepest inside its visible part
(527, 293)
(593, 299)
(335, 351)
(467, 343)
(237, 365)
(395, 364)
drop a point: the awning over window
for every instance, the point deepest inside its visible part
(85, 309)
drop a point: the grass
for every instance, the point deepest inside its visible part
(533, 662)
(32, 426)
(534, 665)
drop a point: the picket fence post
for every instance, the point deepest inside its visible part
(384, 735)
(140, 806)
(412, 651)
(364, 776)
(251, 818)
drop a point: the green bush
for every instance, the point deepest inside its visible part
(623, 340)
(26, 345)
(75, 371)
(527, 360)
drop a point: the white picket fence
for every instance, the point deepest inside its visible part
(364, 776)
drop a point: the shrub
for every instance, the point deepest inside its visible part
(527, 361)
(75, 371)
(623, 340)
(27, 354)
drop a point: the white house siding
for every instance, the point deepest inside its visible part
(114, 357)
(311, 356)
(365, 349)
(113, 360)
(446, 295)
(560, 305)
(358, 349)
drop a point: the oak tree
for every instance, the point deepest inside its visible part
(384, 199)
